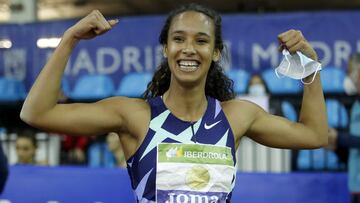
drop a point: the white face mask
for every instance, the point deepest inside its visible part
(257, 90)
(297, 66)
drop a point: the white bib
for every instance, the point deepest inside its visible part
(193, 173)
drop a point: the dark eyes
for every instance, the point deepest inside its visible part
(178, 39)
(202, 41)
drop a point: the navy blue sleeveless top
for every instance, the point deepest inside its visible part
(212, 128)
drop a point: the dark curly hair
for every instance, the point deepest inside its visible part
(218, 85)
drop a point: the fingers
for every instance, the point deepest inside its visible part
(113, 22)
(293, 41)
(100, 24)
(299, 46)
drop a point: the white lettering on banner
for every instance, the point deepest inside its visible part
(131, 58)
(110, 60)
(226, 63)
(15, 63)
(100, 59)
(183, 198)
(5, 201)
(158, 55)
(259, 53)
(83, 61)
(342, 51)
(148, 58)
(150, 55)
(206, 155)
(241, 54)
(322, 46)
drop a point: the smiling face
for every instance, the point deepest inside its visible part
(190, 47)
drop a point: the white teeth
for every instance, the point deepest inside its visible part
(188, 66)
(188, 63)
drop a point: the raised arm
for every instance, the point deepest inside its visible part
(274, 131)
(40, 108)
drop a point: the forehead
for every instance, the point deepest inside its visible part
(192, 22)
(23, 141)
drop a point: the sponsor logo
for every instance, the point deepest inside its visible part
(191, 198)
(175, 152)
(206, 155)
(197, 177)
(207, 127)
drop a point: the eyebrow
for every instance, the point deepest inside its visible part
(183, 32)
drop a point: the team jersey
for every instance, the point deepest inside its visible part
(212, 129)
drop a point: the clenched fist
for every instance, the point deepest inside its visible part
(91, 26)
(293, 41)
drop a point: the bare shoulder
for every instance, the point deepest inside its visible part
(236, 106)
(240, 114)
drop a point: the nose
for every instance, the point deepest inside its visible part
(189, 49)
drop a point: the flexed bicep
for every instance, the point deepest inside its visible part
(113, 114)
(82, 118)
(279, 132)
(40, 108)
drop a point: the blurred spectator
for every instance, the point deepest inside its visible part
(98, 153)
(352, 81)
(106, 153)
(354, 156)
(4, 170)
(340, 140)
(351, 140)
(26, 145)
(73, 150)
(257, 86)
(114, 146)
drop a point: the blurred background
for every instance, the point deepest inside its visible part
(122, 61)
(43, 10)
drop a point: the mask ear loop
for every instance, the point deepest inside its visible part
(287, 68)
(318, 68)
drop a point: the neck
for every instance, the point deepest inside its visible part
(188, 104)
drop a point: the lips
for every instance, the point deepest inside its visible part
(188, 65)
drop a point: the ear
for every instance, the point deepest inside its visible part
(216, 55)
(165, 51)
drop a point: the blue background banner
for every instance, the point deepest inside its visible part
(133, 44)
(83, 185)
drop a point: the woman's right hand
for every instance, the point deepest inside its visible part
(91, 26)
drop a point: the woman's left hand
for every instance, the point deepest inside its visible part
(293, 41)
